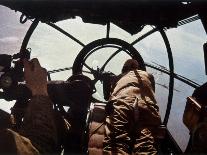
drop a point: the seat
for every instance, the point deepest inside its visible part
(97, 129)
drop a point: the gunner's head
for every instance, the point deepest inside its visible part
(129, 65)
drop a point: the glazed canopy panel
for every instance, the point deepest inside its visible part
(130, 15)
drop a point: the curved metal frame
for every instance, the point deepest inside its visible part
(29, 34)
(102, 43)
(171, 80)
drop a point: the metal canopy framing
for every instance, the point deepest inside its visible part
(136, 14)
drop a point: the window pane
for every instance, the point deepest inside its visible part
(175, 123)
(187, 46)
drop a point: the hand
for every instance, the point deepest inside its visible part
(35, 77)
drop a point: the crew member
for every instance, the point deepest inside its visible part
(38, 133)
(129, 126)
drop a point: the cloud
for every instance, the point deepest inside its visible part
(11, 39)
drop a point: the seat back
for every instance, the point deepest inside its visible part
(97, 130)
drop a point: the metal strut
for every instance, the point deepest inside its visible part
(65, 33)
(171, 71)
(28, 35)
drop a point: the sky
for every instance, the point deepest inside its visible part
(54, 51)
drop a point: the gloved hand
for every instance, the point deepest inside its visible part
(35, 77)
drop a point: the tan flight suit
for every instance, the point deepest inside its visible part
(38, 134)
(128, 127)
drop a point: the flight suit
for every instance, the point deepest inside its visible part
(38, 134)
(135, 114)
